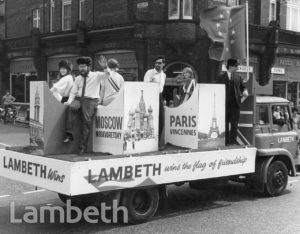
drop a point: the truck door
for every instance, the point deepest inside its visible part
(282, 129)
(263, 128)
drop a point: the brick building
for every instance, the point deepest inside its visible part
(39, 33)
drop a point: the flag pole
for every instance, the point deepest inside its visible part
(247, 39)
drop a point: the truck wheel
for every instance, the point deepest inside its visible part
(141, 204)
(63, 197)
(75, 200)
(277, 179)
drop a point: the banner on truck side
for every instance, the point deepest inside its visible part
(129, 124)
(200, 121)
(52, 174)
(130, 172)
(83, 177)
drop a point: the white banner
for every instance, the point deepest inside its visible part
(52, 174)
(211, 122)
(130, 172)
(83, 177)
(200, 121)
(129, 124)
(181, 123)
(108, 127)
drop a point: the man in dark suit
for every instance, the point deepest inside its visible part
(236, 93)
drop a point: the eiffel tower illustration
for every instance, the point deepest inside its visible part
(214, 129)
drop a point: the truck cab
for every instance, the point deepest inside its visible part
(273, 125)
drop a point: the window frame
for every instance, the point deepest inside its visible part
(291, 5)
(36, 19)
(272, 17)
(233, 2)
(64, 4)
(51, 14)
(263, 106)
(183, 10)
(177, 16)
(81, 10)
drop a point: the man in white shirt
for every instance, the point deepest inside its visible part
(86, 88)
(157, 75)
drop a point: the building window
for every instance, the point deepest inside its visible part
(228, 2)
(272, 15)
(81, 10)
(36, 17)
(188, 9)
(263, 115)
(51, 15)
(66, 14)
(180, 9)
(293, 15)
(20, 85)
(174, 9)
(232, 2)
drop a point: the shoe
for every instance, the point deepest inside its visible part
(81, 152)
(68, 139)
(162, 147)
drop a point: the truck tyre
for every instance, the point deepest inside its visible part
(75, 200)
(63, 197)
(277, 179)
(141, 204)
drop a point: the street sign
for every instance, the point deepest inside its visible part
(278, 70)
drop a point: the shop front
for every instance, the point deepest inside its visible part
(22, 71)
(286, 79)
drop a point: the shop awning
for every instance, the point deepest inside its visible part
(22, 65)
(52, 62)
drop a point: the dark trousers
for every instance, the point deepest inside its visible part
(86, 112)
(64, 99)
(6, 107)
(161, 119)
(232, 118)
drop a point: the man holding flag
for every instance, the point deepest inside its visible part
(225, 26)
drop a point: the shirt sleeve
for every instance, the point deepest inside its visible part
(101, 75)
(147, 76)
(121, 81)
(102, 91)
(74, 90)
(61, 85)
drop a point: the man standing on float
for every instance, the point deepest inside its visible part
(157, 75)
(236, 93)
(86, 88)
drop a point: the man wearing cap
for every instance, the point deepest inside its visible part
(86, 87)
(236, 93)
(112, 85)
(157, 75)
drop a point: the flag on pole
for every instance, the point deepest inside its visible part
(226, 27)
